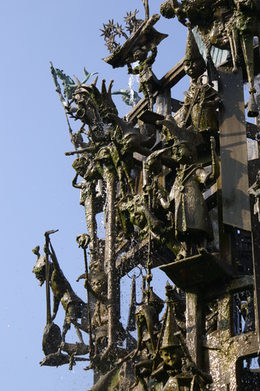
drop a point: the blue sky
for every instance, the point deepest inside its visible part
(36, 192)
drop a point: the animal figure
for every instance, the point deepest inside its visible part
(74, 307)
(51, 339)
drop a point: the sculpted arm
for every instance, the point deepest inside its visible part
(75, 184)
(54, 259)
(151, 58)
(164, 199)
(56, 303)
(208, 179)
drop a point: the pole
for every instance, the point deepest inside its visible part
(88, 305)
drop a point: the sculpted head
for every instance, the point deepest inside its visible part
(39, 269)
(167, 10)
(98, 282)
(80, 165)
(172, 356)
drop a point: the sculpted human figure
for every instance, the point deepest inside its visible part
(144, 70)
(51, 339)
(198, 12)
(171, 352)
(192, 222)
(200, 107)
(226, 25)
(62, 292)
(201, 100)
(97, 285)
(176, 369)
(148, 326)
(135, 214)
(247, 22)
(255, 191)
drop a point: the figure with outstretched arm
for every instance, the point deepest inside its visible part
(192, 222)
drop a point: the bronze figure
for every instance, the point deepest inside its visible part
(62, 292)
(153, 185)
(255, 191)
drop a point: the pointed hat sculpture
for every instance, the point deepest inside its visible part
(170, 339)
(194, 64)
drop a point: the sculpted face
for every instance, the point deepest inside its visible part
(94, 267)
(183, 153)
(171, 356)
(167, 10)
(98, 282)
(139, 55)
(190, 68)
(39, 270)
(80, 165)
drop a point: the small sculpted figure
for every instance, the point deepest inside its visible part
(51, 339)
(201, 100)
(179, 147)
(177, 371)
(178, 303)
(199, 109)
(110, 157)
(198, 12)
(198, 116)
(170, 349)
(148, 327)
(255, 191)
(87, 168)
(144, 70)
(98, 287)
(134, 214)
(94, 108)
(132, 139)
(192, 222)
(113, 154)
(246, 19)
(140, 46)
(62, 292)
(194, 64)
(226, 25)
(247, 311)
